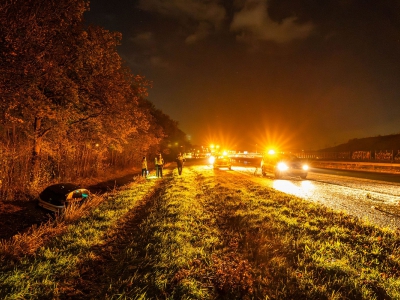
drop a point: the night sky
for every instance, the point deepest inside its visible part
(247, 74)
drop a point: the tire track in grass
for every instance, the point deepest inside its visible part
(162, 252)
(107, 260)
(260, 246)
(236, 277)
(51, 273)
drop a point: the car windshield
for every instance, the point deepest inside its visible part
(288, 157)
(281, 156)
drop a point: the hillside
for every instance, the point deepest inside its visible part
(385, 142)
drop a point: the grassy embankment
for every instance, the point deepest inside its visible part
(206, 235)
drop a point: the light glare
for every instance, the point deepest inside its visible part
(211, 160)
(282, 166)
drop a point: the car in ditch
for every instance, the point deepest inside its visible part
(283, 164)
(57, 197)
(220, 161)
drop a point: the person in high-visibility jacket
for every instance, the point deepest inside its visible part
(159, 162)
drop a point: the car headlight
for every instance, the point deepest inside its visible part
(305, 167)
(282, 166)
(211, 160)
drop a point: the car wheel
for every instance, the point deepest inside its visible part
(303, 176)
(263, 172)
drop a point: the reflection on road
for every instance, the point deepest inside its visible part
(300, 188)
(372, 200)
(304, 189)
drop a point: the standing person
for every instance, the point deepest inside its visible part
(179, 161)
(144, 167)
(159, 165)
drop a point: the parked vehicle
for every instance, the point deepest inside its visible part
(57, 197)
(281, 164)
(221, 161)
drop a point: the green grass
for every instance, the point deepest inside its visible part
(205, 235)
(316, 253)
(177, 242)
(39, 276)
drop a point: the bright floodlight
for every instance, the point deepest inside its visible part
(282, 166)
(272, 151)
(211, 159)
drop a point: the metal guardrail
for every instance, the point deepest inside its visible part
(358, 155)
(368, 156)
(358, 163)
(382, 161)
(368, 166)
(358, 166)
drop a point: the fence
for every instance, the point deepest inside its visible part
(376, 155)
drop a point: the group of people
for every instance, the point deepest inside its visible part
(159, 164)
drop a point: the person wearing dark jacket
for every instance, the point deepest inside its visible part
(179, 161)
(159, 162)
(144, 167)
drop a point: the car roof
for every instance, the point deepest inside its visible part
(60, 188)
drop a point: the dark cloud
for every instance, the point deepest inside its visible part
(205, 16)
(253, 22)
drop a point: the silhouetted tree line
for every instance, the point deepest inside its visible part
(70, 108)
